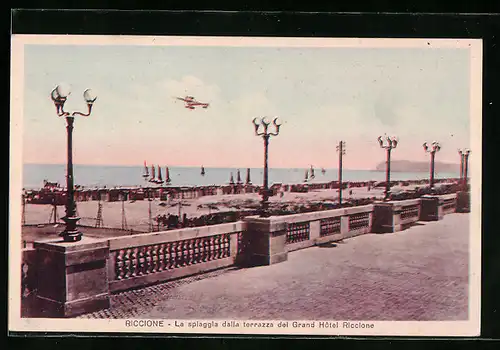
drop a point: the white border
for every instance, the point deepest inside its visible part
(395, 328)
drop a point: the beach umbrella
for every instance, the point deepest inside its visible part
(238, 177)
(248, 181)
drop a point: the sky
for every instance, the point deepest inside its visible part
(321, 95)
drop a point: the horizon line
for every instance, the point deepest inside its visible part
(230, 167)
(186, 166)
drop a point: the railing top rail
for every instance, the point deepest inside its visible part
(324, 214)
(174, 235)
(448, 196)
(402, 203)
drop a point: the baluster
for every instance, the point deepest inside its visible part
(185, 252)
(127, 264)
(161, 258)
(185, 255)
(134, 263)
(208, 247)
(204, 249)
(214, 247)
(190, 252)
(149, 260)
(201, 250)
(141, 262)
(178, 254)
(240, 242)
(218, 247)
(211, 248)
(173, 255)
(223, 245)
(168, 256)
(119, 268)
(227, 245)
(196, 250)
(155, 258)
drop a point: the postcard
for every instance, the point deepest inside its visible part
(245, 185)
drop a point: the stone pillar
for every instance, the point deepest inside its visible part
(384, 220)
(463, 202)
(431, 208)
(344, 225)
(314, 230)
(264, 242)
(72, 277)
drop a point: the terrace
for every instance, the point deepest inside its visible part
(138, 262)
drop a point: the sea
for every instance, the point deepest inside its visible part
(114, 175)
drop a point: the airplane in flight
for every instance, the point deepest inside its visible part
(192, 103)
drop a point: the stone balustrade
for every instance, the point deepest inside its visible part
(161, 256)
(307, 229)
(268, 240)
(434, 207)
(394, 216)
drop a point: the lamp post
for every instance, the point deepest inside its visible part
(265, 136)
(341, 150)
(432, 149)
(464, 168)
(59, 96)
(388, 143)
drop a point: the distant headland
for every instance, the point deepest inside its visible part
(411, 166)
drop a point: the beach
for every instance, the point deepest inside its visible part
(136, 212)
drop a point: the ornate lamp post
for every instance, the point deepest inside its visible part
(464, 165)
(265, 136)
(59, 96)
(432, 149)
(389, 143)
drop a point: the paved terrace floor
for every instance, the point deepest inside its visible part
(417, 274)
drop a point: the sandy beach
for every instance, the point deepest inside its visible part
(137, 212)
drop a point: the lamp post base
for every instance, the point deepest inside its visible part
(71, 236)
(71, 233)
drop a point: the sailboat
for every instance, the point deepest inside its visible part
(159, 181)
(145, 175)
(238, 177)
(323, 171)
(306, 178)
(153, 174)
(167, 176)
(312, 173)
(202, 170)
(231, 179)
(248, 181)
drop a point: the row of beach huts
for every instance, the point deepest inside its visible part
(53, 193)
